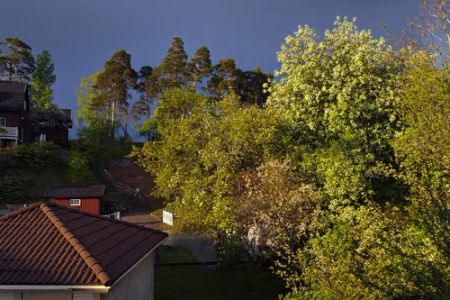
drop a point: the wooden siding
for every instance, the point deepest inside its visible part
(89, 205)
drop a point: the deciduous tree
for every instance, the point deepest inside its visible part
(42, 80)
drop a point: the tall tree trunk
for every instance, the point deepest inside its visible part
(113, 118)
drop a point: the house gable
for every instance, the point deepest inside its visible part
(49, 245)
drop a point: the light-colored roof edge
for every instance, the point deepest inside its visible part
(50, 287)
(138, 262)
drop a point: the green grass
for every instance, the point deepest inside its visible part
(192, 282)
(174, 254)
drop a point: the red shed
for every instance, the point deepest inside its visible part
(84, 198)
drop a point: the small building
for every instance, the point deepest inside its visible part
(53, 252)
(84, 198)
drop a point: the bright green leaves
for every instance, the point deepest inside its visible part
(336, 84)
(203, 146)
(338, 92)
(43, 78)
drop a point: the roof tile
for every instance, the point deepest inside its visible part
(50, 244)
(75, 191)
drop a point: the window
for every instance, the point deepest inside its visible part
(2, 121)
(75, 202)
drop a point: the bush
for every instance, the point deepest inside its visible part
(31, 156)
(13, 188)
(229, 249)
(79, 164)
(97, 143)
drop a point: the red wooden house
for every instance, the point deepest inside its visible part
(15, 122)
(21, 122)
(84, 198)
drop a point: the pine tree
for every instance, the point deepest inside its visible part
(17, 61)
(174, 68)
(200, 65)
(142, 106)
(223, 78)
(113, 86)
(249, 86)
(43, 78)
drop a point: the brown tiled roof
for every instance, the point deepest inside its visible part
(46, 244)
(12, 95)
(75, 191)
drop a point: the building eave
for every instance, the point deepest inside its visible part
(138, 262)
(99, 289)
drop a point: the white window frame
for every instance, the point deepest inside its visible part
(75, 202)
(2, 121)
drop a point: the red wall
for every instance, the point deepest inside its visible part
(21, 120)
(56, 134)
(89, 205)
(12, 118)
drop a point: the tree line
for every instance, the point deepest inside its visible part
(341, 180)
(106, 95)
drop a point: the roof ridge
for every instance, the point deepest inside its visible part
(72, 186)
(88, 258)
(107, 219)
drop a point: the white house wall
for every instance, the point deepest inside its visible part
(138, 284)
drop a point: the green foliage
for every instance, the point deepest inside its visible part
(14, 188)
(370, 131)
(203, 146)
(149, 129)
(16, 165)
(250, 86)
(95, 142)
(339, 94)
(229, 248)
(79, 166)
(223, 79)
(200, 65)
(371, 253)
(42, 80)
(112, 88)
(174, 71)
(35, 156)
(276, 213)
(423, 151)
(344, 175)
(95, 136)
(177, 71)
(16, 60)
(86, 95)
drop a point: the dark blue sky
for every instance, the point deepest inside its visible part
(82, 34)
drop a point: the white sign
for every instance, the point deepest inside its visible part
(167, 218)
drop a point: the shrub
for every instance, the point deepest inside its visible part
(13, 188)
(79, 164)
